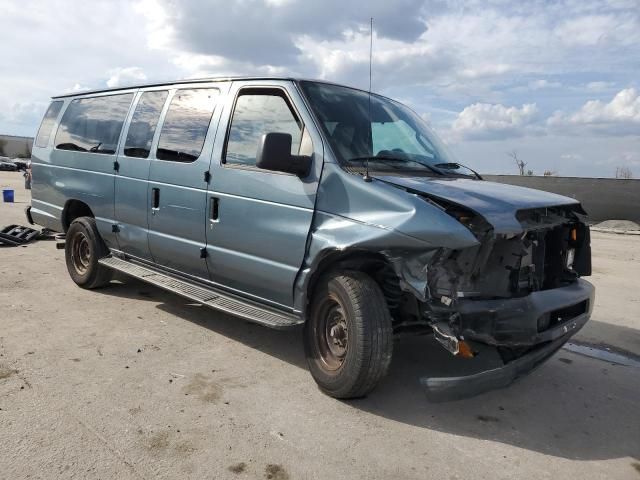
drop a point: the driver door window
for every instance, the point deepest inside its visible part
(255, 114)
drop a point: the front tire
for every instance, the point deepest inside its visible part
(83, 248)
(348, 336)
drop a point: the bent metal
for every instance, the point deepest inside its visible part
(288, 202)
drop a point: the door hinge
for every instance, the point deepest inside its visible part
(203, 252)
(115, 228)
(116, 166)
(207, 176)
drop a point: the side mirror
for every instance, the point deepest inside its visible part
(274, 153)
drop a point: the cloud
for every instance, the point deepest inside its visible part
(620, 116)
(543, 84)
(125, 76)
(482, 121)
(592, 30)
(266, 32)
(492, 70)
(599, 86)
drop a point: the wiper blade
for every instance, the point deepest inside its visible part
(395, 159)
(391, 159)
(455, 166)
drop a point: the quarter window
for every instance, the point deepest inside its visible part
(143, 124)
(49, 120)
(254, 115)
(185, 126)
(93, 124)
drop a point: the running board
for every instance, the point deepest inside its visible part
(208, 297)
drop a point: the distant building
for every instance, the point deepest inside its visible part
(15, 147)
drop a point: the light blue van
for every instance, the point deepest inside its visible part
(288, 202)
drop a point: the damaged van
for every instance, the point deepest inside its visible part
(289, 202)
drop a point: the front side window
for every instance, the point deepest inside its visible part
(49, 120)
(143, 124)
(186, 124)
(363, 128)
(93, 124)
(255, 114)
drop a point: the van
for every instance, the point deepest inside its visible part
(290, 202)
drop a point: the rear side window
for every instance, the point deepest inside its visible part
(93, 124)
(49, 120)
(143, 124)
(185, 126)
(255, 114)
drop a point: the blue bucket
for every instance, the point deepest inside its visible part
(7, 196)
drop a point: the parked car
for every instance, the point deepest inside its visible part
(7, 165)
(21, 163)
(288, 202)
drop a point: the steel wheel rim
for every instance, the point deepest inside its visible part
(331, 333)
(80, 253)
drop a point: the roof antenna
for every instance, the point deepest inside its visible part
(366, 177)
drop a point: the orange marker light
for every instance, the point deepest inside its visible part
(574, 234)
(464, 350)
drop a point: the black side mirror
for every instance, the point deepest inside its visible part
(274, 153)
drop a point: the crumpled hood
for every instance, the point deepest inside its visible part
(496, 202)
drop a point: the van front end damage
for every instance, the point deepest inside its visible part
(517, 293)
(491, 270)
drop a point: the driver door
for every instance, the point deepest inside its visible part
(259, 220)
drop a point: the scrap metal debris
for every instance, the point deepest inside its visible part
(17, 235)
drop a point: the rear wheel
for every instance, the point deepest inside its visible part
(83, 248)
(348, 335)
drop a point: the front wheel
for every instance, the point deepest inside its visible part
(348, 336)
(83, 248)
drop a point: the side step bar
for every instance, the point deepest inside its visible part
(211, 298)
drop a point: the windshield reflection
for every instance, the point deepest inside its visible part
(363, 128)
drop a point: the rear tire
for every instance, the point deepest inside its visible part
(83, 248)
(348, 336)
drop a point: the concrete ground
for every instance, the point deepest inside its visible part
(132, 382)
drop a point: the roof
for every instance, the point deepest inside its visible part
(205, 80)
(171, 82)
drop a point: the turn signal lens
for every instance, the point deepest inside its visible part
(464, 350)
(574, 234)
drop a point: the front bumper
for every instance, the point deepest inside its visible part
(514, 322)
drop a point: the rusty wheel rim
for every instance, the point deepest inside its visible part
(80, 253)
(332, 334)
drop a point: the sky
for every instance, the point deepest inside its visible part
(556, 82)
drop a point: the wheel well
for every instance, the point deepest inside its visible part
(374, 264)
(74, 209)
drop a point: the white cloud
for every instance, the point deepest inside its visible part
(510, 63)
(599, 86)
(592, 30)
(620, 116)
(482, 121)
(125, 76)
(543, 84)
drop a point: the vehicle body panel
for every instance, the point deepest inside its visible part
(131, 194)
(177, 226)
(496, 202)
(259, 240)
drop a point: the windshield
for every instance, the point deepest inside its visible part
(391, 138)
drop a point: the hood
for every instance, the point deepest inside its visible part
(496, 202)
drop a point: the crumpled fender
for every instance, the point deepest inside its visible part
(373, 217)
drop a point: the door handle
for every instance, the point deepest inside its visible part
(155, 198)
(214, 210)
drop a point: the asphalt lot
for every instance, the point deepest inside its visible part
(132, 382)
